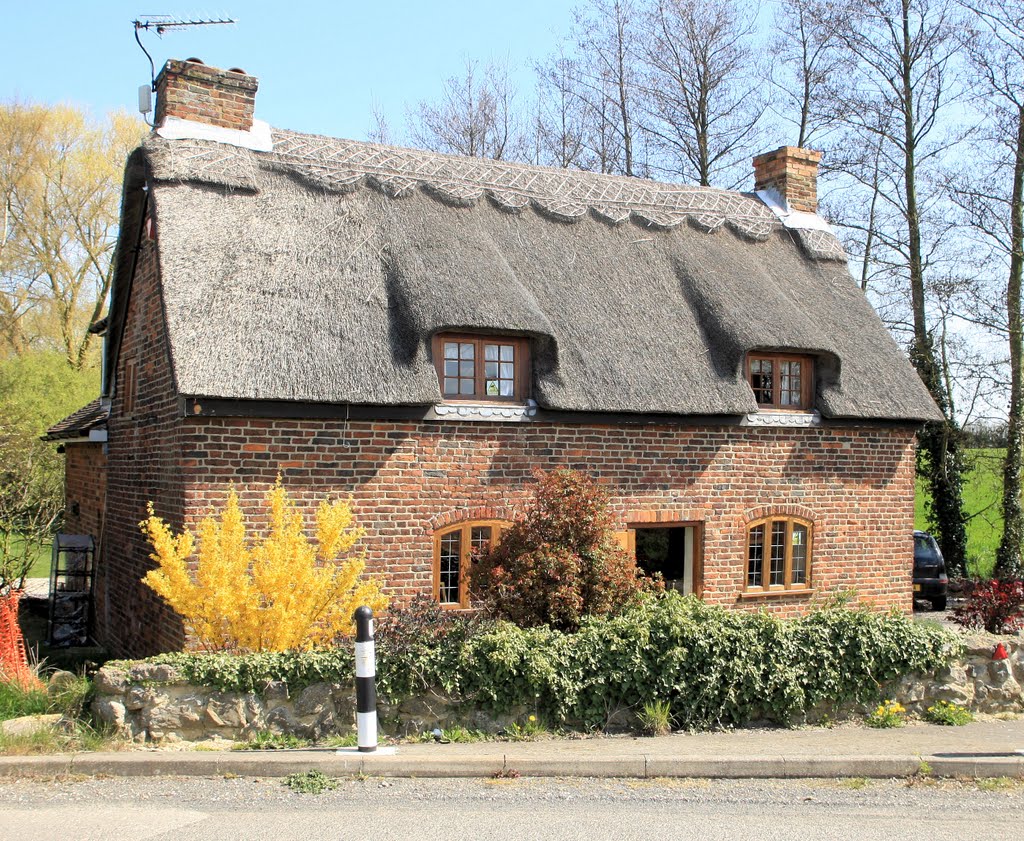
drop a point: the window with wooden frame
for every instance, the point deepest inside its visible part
(778, 555)
(482, 368)
(454, 550)
(781, 381)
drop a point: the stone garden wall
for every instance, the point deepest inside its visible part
(151, 703)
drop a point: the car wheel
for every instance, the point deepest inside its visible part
(939, 603)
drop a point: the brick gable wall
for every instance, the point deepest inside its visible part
(85, 488)
(142, 466)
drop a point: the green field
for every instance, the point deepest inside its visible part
(41, 559)
(982, 491)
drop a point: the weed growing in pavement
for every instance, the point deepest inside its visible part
(887, 714)
(311, 782)
(655, 718)
(528, 732)
(455, 734)
(856, 783)
(997, 783)
(265, 740)
(945, 712)
(345, 740)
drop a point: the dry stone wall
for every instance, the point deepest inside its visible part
(152, 703)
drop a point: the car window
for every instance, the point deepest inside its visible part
(925, 549)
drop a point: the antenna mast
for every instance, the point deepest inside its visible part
(166, 23)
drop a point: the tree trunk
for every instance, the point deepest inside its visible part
(1008, 555)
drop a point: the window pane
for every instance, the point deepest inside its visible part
(480, 539)
(507, 370)
(448, 567)
(761, 380)
(755, 556)
(466, 368)
(451, 350)
(506, 388)
(491, 370)
(492, 388)
(451, 368)
(466, 387)
(466, 350)
(507, 353)
(778, 568)
(491, 352)
(790, 384)
(799, 554)
(451, 385)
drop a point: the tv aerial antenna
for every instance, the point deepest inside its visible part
(162, 24)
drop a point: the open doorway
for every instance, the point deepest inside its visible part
(672, 550)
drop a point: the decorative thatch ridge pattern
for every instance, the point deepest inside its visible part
(336, 165)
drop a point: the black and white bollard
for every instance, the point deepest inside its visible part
(366, 681)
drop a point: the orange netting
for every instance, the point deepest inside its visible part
(13, 657)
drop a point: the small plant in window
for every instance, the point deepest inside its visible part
(276, 593)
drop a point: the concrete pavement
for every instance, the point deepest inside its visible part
(991, 748)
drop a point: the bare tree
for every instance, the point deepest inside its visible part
(892, 101)
(705, 97)
(563, 125)
(992, 197)
(608, 80)
(809, 58)
(475, 116)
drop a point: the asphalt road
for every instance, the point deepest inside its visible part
(252, 809)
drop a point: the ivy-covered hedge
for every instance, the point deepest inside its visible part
(715, 667)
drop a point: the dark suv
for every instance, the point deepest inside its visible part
(930, 581)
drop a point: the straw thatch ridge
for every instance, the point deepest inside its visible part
(285, 278)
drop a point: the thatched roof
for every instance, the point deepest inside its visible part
(79, 423)
(319, 272)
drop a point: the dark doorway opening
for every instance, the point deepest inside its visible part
(673, 552)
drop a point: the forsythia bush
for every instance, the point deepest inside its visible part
(271, 595)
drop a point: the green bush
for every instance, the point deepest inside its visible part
(714, 667)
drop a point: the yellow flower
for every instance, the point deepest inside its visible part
(533, 718)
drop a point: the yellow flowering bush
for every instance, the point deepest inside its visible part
(275, 594)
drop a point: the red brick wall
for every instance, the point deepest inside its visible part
(85, 487)
(407, 479)
(142, 466)
(193, 91)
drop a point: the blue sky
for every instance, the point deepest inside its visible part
(321, 65)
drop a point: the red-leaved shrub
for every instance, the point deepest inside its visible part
(561, 562)
(997, 606)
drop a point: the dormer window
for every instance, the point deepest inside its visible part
(782, 382)
(482, 368)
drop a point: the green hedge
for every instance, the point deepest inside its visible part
(715, 667)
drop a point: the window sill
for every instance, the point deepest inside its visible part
(479, 411)
(770, 594)
(777, 418)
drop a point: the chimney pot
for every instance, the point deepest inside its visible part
(192, 90)
(792, 173)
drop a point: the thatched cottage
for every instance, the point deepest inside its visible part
(424, 331)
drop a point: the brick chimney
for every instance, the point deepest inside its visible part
(792, 173)
(194, 91)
